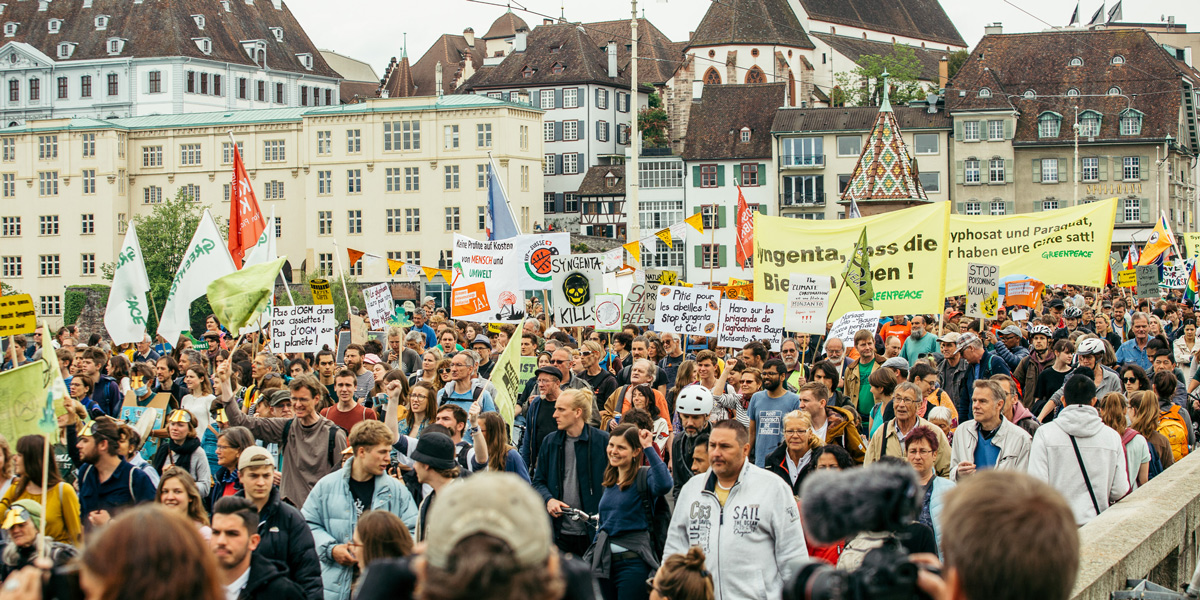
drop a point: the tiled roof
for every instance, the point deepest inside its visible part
(854, 48)
(595, 182)
(353, 91)
(453, 52)
(162, 28)
(920, 19)
(399, 80)
(582, 60)
(798, 120)
(750, 22)
(505, 27)
(885, 169)
(1039, 63)
(715, 123)
(658, 56)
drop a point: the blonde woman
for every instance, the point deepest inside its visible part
(792, 460)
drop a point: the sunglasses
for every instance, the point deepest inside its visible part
(443, 371)
(1131, 380)
(586, 353)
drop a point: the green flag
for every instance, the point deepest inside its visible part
(238, 298)
(506, 376)
(857, 273)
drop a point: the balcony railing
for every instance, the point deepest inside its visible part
(802, 200)
(801, 161)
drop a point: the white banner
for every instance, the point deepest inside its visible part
(206, 259)
(125, 314)
(488, 277)
(642, 299)
(687, 311)
(744, 321)
(305, 328)
(380, 306)
(1175, 277)
(608, 312)
(983, 290)
(576, 281)
(807, 303)
(851, 323)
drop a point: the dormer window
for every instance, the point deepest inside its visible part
(985, 93)
(745, 135)
(610, 180)
(204, 44)
(10, 29)
(527, 72)
(115, 46)
(306, 60)
(255, 49)
(54, 25)
(1089, 123)
(66, 49)
(1131, 122)
(2, 7)
(199, 19)
(278, 33)
(102, 22)
(1114, 91)
(1075, 62)
(225, 5)
(1030, 94)
(1049, 124)
(1118, 60)
(557, 69)
(1073, 92)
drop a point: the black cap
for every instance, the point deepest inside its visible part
(435, 449)
(1056, 303)
(553, 371)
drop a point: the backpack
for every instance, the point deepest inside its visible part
(1156, 465)
(656, 511)
(287, 427)
(1172, 426)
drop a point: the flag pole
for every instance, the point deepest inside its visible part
(338, 255)
(504, 192)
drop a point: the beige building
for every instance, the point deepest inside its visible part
(391, 177)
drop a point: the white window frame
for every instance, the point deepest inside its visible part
(1050, 165)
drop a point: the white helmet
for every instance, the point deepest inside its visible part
(1089, 347)
(694, 400)
(1040, 330)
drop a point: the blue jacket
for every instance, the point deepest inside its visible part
(591, 458)
(529, 446)
(126, 487)
(329, 510)
(107, 396)
(937, 499)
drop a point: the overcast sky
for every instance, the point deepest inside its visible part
(373, 30)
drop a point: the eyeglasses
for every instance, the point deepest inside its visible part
(586, 353)
(920, 451)
(444, 371)
(795, 431)
(559, 362)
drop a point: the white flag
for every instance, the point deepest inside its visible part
(206, 259)
(126, 312)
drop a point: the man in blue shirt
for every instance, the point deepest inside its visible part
(766, 411)
(418, 319)
(107, 483)
(462, 391)
(1133, 351)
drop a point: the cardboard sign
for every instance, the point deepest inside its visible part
(17, 315)
(473, 298)
(320, 291)
(983, 290)
(1147, 281)
(608, 312)
(687, 311)
(642, 300)
(132, 412)
(743, 322)
(342, 343)
(302, 328)
(807, 303)
(1127, 278)
(576, 280)
(380, 306)
(358, 329)
(667, 277)
(1023, 292)
(1175, 276)
(851, 323)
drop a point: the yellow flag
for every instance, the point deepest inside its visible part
(446, 274)
(430, 272)
(635, 250)
(697, 221)
(665, 236)
(395, 265)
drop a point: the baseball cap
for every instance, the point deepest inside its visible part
(950, 337)
(514, 514)
(482, 339)
(967, 339)
(371, 359)
(435, 449)
(1011, 330)
(428, 299)
(954, 313)
(255, 456)
(552, 371)
(1056, 303)
(896, 362)
(277, 397)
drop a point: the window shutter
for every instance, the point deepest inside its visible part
(1037, 206)
(597, 130)
(1008, 129)
(1064, 175)
(1121, 211)
(1037, 170)
(699, 255)
(558, 131)
(1144, 169)
(536, 98)
(504, 96)
(582, 95)
(960, 207)
(720, 175)
(597, 100)
(1010, 208)
(958, 131)
(558, 98)
(1008, 170)
(721, 253)
(1102, 169)
(696, 210)
(737, 174)
(581, 127)
(558, 163)
(958, 172)
(581, 163)
(762, 174)
(762, 208)
(558, 198)
(1144, 206)
(985, 171)
(720, 216)
(696, 180)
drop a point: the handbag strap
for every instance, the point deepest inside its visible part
(1086, 479)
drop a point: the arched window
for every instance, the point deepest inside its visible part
(1073, 92)
(985, 93)
(712, 77)
(1118, 60)
(1030, 94)
(1076, 62)
(756, 75)
(1114, 91)
(1089, 123)
(1049, 124)
(1131, 122)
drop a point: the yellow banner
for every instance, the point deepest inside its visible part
(320, 291)
(907, 248)
(1191, 243)
(1068, 245)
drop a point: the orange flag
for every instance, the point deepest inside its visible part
(354, 255)
(246, 222)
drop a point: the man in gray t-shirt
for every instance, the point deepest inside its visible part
(570, 490)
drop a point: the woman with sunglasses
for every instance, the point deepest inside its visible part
(182, 450)
(443, 373)
(1134, 379)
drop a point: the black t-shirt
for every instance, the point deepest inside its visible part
(603, 384)
(1049, 381)
(362, 491)
(545, 424)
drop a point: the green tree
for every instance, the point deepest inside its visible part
(164, 235)
(864, 85)
(654, 123)
(955, 61)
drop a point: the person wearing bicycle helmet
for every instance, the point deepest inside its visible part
(1088, 353)
(1071, 316)
(1041, 357)
(694, 404)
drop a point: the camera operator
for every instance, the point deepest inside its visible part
(1008, 536)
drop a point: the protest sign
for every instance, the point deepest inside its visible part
(358, 330)
(907, 249)
(528, 366)
(1191, 243)
(1023, 292)
(1147, 281)
(305, 328)
(132, 412)
(851, 323)
(743, 322)
(506, 377)
(1127, 278)
(380, 306)
(807, 300)
(205, 259)
(343, 342)
(488, 276)
(320, 291)
(642, 300)
(1069, 245)
(608, 312)
(576, 281)
(1175, 276)
(668, 277)
(17, 315)
(23, 401)
(983, 290)
(687, 311)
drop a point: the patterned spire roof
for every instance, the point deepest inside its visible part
(885, 169)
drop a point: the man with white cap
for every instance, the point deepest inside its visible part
(1009, 347)
(952, 369)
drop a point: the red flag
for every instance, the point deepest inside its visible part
(745, 230)
(246, 222)
(354, 256)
